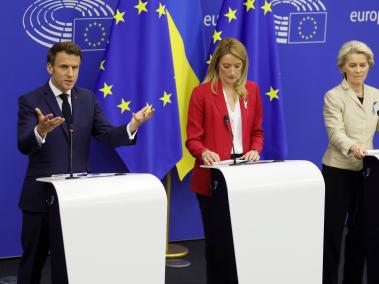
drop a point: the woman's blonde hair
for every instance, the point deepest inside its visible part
(236, 48)
(352, 47)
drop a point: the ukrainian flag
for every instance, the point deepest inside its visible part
(189, 57)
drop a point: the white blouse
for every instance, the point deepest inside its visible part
(236, 124)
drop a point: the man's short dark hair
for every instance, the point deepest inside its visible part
(66, 46)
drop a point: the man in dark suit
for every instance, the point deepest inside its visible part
(44, 118)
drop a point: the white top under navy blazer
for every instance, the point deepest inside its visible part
(349, 122)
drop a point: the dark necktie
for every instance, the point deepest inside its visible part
(66, 108)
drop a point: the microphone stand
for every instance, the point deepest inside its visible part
(71, 132)
(226, 119)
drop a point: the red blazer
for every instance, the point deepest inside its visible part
(206, 128)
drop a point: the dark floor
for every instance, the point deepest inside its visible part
(195, 273)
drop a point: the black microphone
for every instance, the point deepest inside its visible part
(226, 119)
(71, 132)
(377, 112)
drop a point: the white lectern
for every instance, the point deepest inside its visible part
(277, 216)
(114, 228)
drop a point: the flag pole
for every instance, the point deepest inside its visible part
(174, 252)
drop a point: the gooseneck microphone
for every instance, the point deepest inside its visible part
(226, 120)
(71, 132)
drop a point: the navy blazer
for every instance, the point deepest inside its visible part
(52, 157)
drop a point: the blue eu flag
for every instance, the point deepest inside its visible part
(138, 71)
(252, 23)
(307, 27)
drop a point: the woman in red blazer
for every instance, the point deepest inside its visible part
(225, 102)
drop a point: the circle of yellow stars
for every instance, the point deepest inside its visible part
(141, 7)
(99, 28)
(303, 21)
(232, 15)
(161, 10)
(107, 88)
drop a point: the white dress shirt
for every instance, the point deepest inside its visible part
(235, 119)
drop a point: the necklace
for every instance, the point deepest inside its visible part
(359, 92)
(231, 99)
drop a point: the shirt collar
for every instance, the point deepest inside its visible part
(56, 91)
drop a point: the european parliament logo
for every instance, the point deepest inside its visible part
(299, 21)
(92, 34)
(86, 22)
(307, 28)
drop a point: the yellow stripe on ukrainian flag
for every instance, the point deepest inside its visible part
(186, 80)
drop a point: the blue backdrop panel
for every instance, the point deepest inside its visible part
(27, 29)
(308, 70)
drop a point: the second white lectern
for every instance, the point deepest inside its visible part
(114, 228)
(277, 213)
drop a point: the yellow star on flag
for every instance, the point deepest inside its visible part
(166, 98)
(161, 10)
(266, 7)
(124, 105)
(231, 15)
(249, 5)
(119, 16)
(273, 94)
(210, 59)
(216, 36)
(141, 6)
(149, 108)
(102, 65)
(107, 89)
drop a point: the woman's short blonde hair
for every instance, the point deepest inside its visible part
(236, 48)
(352, 47)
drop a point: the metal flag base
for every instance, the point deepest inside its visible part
(174, 254)
(177, 262)
(175, 251)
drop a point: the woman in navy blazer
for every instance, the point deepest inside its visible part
(225, 103)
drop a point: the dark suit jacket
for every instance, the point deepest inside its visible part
(52, 157)
(206, 128)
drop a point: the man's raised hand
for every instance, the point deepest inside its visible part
(47, 123)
